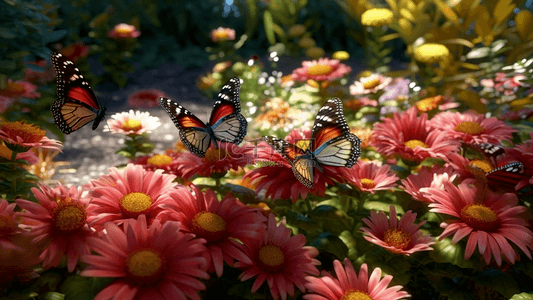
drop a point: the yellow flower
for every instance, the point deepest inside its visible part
(524, 22)
(431, 52)
(406, 26)
(306, 42)
(377, 17)
(296, 30)
(315, 52)
(341, 55)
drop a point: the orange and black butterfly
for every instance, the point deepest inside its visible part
(76, 104)
(331, 144)
(226, 123)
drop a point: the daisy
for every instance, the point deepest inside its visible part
(222, 34)
(60, 218)
(427, 178)
(279, 259)
(8, 225)
(372, 176)
(149, 261)
(128, 193)
(320, 70)
(277, 177)
(166, 162)
(407, 136)
(20, 137)
(216, 162)
(397, 236)
(397, 89)
(123, 31)
(489, 220)
(364, 134)
(350, 285)
(370, 84)
(132, 123)
(19, 89)
(471, 127)
(223, 224)
(145, 98)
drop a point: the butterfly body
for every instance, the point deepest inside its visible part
(331, 144)
(76, 104)
(226, 123)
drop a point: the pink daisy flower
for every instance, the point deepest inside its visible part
(489, 220)
(132, 123)
(407, 136)
(278, 179)
(372, 176)
(397, 236)
(216, 162)
(220, 223)
(60, 217)
(222, 34)
(350, 285)
(427, 178)
(279, 259)
(471, 127)
(123, 31)
(321, 69)
(21, 137)
(370, 84)
(145, 98)
(8, 226)
(19, 89)
(168, 162)
(156, 261)
(128, 193)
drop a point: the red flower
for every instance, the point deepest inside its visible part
(145, 98)
(76, 51)
(19, 89)
(47, 75)
(123, 31)
(370, 176)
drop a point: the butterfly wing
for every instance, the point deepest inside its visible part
(226, 121)
(302, 166)
(332, 142)
(76, 104)
(506, 176)
(193, 132)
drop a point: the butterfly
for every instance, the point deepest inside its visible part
(331, 144)
(226, 123)
(76, 104)
(505, 176)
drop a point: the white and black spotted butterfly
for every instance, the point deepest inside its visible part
(331, 144)
(76, 104)
(226, 123)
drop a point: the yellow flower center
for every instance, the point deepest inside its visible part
(341, 55)
(469, 127)
(271, 256)
(480, 217)
(319, 69)
(134, 203)
(145, 264)
(481, 164)
(368, 183)
(69, 216)
(124, 29)
(7, 225)
(397, 238)
(428, 104)
(28, 132)
(377, 17)
(221, 34)
(355, 295)
(160, 160)
(132, 125)
(431, 52)
(213, 155)
(13, 89)
(415, 143)
(372, 83)
(303, 144)
(209, 225)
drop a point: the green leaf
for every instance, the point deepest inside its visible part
(330, 243)
(8, 65)
(83, 288)
(52, 296)
(54, 36)
(522, 296)
(126, 154)
(7, 34)
(445, 251)
(269, 28)
(333, 219)
(499, 281)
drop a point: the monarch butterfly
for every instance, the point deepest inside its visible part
(331, 144)
(226, 123)
(76, 104)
